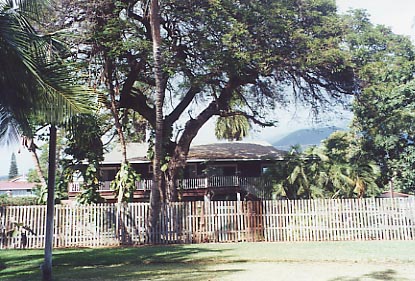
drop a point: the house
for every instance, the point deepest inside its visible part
(220, 171)
(394, 194)
(17, 187)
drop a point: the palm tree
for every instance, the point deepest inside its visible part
(157, 190)
(349, 173)
(33, 82)
(234, 127)
(293, 180)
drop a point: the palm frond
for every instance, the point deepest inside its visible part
(33, 81)
(9, 128)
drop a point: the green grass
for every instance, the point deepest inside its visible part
(198, 261)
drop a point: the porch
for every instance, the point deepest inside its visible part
(193, 187)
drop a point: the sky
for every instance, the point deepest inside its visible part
(397, 14)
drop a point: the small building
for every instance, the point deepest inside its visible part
(219, 171)
(17, 187)
(394, 194)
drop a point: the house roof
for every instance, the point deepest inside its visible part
(6, 185)
(137, 152)
(236, 151)
(387, 194)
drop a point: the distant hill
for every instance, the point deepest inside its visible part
(305, 137)
(4, 178)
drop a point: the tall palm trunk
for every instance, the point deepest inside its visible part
(32, 147)
(121, 231)
(157, 191)
(38, 169)
(47, 265)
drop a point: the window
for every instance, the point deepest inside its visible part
(264, 169)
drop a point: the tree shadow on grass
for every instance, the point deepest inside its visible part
(386, 275)
(18, 264)
(179, 271)
(137, 263)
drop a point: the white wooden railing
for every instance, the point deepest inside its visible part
(143, 184)
(249, 184)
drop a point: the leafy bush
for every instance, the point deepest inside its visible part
(17, 201)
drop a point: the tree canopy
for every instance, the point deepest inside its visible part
(383, 112)
(231, 59)
(33, 81)
(237, 61)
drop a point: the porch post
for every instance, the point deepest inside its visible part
(206, 197)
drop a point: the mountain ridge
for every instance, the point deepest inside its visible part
(305, 137)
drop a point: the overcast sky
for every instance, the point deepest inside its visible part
(398, 14)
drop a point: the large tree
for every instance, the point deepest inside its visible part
(218, 54)
(384, 109)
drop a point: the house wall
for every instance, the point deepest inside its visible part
(196, 170)
(144, 169)
(109, 171)
(250, 169)
(18, 193)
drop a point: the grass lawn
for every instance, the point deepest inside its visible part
(331, 261)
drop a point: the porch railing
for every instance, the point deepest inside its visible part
(249, 184)
(105, 185)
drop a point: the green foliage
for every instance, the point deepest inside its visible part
(134, 126)
(232, 58)
(17, 201)
(33, 81)
(84, 138)
(336, 169)
(41, 193)
(125, 179)
(350, 173)
(384, 110)
(13, 171)
(251, 50)
(32, 176)
(232, 128)
(85, 146)
(296, 176)
(90, 185)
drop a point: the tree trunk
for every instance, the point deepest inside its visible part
(157, 190)
(192, 127)
(38, 169)
(47, 265)
(32, 147)
(121, 231)
(36, 161)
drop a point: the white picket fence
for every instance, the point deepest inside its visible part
(216, 221)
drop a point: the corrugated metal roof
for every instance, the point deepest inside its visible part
(6, 185)
(137, 152)
(236, 151)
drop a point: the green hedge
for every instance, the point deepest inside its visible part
(17, 201)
